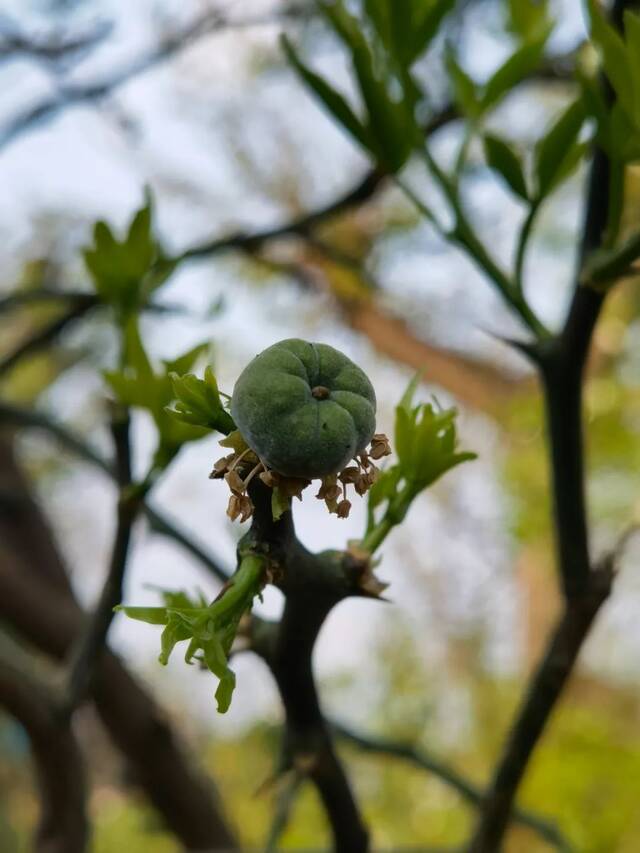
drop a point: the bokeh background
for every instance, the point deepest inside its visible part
(194, 100)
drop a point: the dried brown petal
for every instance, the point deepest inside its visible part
(293, 487)
(371, 476)
(233, 508)
(371, 585)
(235, 482)
(343, 509)
(331, 493)
(350, 474)
(269, 478)
(246, 507)
(363, 458)
(362, 485)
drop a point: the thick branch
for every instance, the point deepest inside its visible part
(312, 584)
(186, 800)
(63, 825)
(545, 689)
(51, 621)
(562, 363)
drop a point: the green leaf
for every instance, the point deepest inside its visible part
(406, 401)
(427, 25)
(529, 20)
(407, 27)
(391, 125)
(519, 65)
(333, 102)
(632, 34)
(151, 615)
(503, 158)
(183, 363)
(606, 266)
(557, 153)
(616, 62)
(622, 137)
(125, 272)
(465, 92)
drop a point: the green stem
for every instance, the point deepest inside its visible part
(523, 242)
(243, 586)
(464, 236)
(394, 515)
(424, 209)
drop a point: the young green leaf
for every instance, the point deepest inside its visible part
(198, 402)
(465, 92)
(529, 20)
(503, 158)
(617, 62)
(210, 629)
(521, 63)
(425, 441)
(333, 102)
(558, 152)
(125, 272)
(280, 503)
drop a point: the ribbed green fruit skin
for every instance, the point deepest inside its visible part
(296, 434)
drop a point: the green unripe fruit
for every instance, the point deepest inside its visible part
(305, 409)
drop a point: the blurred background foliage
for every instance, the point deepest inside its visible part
(442, 669)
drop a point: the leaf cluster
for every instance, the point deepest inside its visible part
(384, 44)
(139, 385)
(209, 628)
(619, 123)
(426, 444)
(126, 272)
(198, 402)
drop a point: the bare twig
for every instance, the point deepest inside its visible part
(17, 416)
(70, 95)
(467, 790)
(63, 825)
(94, 637)
(284, 804)
(44, 336)
(55, 50)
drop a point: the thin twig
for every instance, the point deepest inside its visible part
(54, 50)
(284, 804)
(44, 336)
(210, 22)
(31, 419)
(467, 790)
(93, 638)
